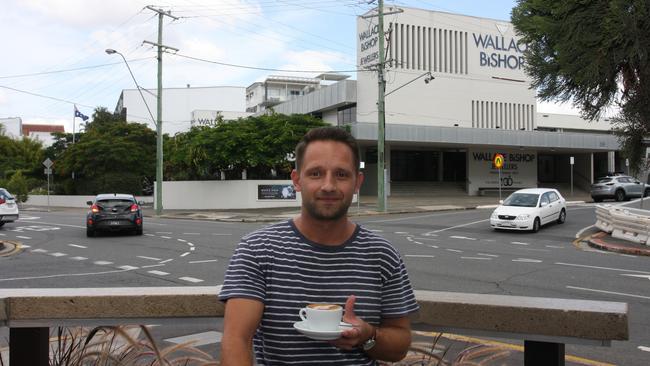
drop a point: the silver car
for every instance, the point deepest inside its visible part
(8, 207)
(620, 188)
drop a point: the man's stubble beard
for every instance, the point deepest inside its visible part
(316, 213)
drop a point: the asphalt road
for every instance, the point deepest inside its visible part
(444, 251)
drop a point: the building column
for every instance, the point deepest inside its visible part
(611, 161)
(591, 166)
(441, 162)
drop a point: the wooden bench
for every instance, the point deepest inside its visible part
(545, 324)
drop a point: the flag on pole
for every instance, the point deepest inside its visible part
(79, 114)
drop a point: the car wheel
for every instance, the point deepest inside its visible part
(646, 194)
(562, 218)
(90, 232)
(619, 195)
(536, 225)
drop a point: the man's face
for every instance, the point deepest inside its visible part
(327, 180)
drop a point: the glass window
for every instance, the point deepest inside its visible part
(553, 196)
(111, 203)
(545, 199)
(522, 200)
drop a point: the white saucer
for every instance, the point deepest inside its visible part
(321, 335)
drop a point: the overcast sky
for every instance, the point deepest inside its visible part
(53, 50)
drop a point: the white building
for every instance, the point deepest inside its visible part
(12, 127)
(448, 129)
(16, 129)
(183, 107)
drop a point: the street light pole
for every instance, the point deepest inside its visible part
(381, 111)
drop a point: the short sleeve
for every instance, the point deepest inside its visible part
(244, 277)
(398, 299)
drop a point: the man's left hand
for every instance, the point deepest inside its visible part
(357, 334)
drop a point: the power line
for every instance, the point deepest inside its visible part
(69, 70)
(45, 96)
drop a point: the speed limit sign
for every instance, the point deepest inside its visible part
(498, 161)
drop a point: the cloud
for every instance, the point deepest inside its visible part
(83, 13)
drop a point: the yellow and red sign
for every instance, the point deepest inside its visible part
(498, 160)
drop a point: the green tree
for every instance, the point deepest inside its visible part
(23, 155)
(17, 185)
(595, 54)
(111, 156)
(257, 144)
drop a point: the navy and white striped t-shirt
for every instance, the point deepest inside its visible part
(278, 266)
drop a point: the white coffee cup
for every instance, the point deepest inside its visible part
(323, 317)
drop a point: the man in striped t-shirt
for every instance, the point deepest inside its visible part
(318, 257)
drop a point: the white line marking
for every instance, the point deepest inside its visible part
(128, 267)
(165, 237)
(420, 256)
(198, 339)
(454, 250)
(192, 248)
(25, 246)
(3, 234)
(628, 255)
(190, 244)
(190, 279)
(639, 276)
(58, 254)
(159, 273)
(62, 275)
(153, 265)
(596, 267)
(488, 255)
(608, 292)
(39, 251)
(77, 246)
(554, 246)
(231, 234)
(527, 260)
(644, 348)
(490, 240)
(150, 258)
(479, 258)
(149, 234)
(166, 260)
(163, 232)
(427, 239)
(23, 237)
(579, 233)
(462, 237)
(102, 263)
(78, 258)
(457, 226)
(433, 246)
(536, 250)
(182, 240)
(518, 243)
(204, 261)
(185, 254)
(56, 224)
(191, 233)
(441, 213)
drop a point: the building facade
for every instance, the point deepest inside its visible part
(457, 94)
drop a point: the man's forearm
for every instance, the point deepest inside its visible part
(392, 343)
(236, 353)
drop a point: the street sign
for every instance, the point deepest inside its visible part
(498, 161)
(48, 163)
(571, 160)
(47, 171)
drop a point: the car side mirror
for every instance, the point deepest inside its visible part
(89, 203)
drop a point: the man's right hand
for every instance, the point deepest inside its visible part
(241, 319)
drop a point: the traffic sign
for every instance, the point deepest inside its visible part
(48, 163)
(47, 171)
(498, 161)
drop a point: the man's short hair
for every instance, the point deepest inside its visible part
(328, 134)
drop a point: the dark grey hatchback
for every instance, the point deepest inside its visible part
(114, 212)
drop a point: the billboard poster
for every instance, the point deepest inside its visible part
(276, 192)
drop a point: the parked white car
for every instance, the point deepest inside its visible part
(8, 207)
(529, 209)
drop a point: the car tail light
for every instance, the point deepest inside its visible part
(134, 208)
(94, 208)
(2, 200)
(138, 221)
(90, 221)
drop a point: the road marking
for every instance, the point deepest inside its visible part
(639, 276)
(454, 250)
(159, 273)
(527, 260)
(153, 265)
(58, 254)
(182, 240)
(432, 239)
(23, 237)
(191, 233)
(231, 234)
(77, 246)
(39, 251)
(163, 232)
(536, 250)
(478, 258)
(102, 263)
(608, 292)
(150, 258)
(78, 258)
(3, 234)
(192, 248)
(165, 237)
(488, 255)
(185, 254)
(204, 261)
(606, 268)
(149, 234)
(420, 256)
(518, 243)
(457, 226)
(644, 348)
(190, 279)
(62, 275)
(401, 232)
(433, 246)
(128, 267)
(554, 246)
(56, 224)
(579, 233)
(490, 240)
(462, 237)
(628, 255)
(28, 218)
(25, 246)
(198, 339)
(166, 260)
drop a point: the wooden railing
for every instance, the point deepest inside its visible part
(545, 324)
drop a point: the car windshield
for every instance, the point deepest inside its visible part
(522, 200)
(5, 194)
(604, 180)
(114, 202)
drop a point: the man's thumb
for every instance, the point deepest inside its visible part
(349, 307)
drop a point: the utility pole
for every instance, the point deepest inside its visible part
(159, 137)
(381, 111)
